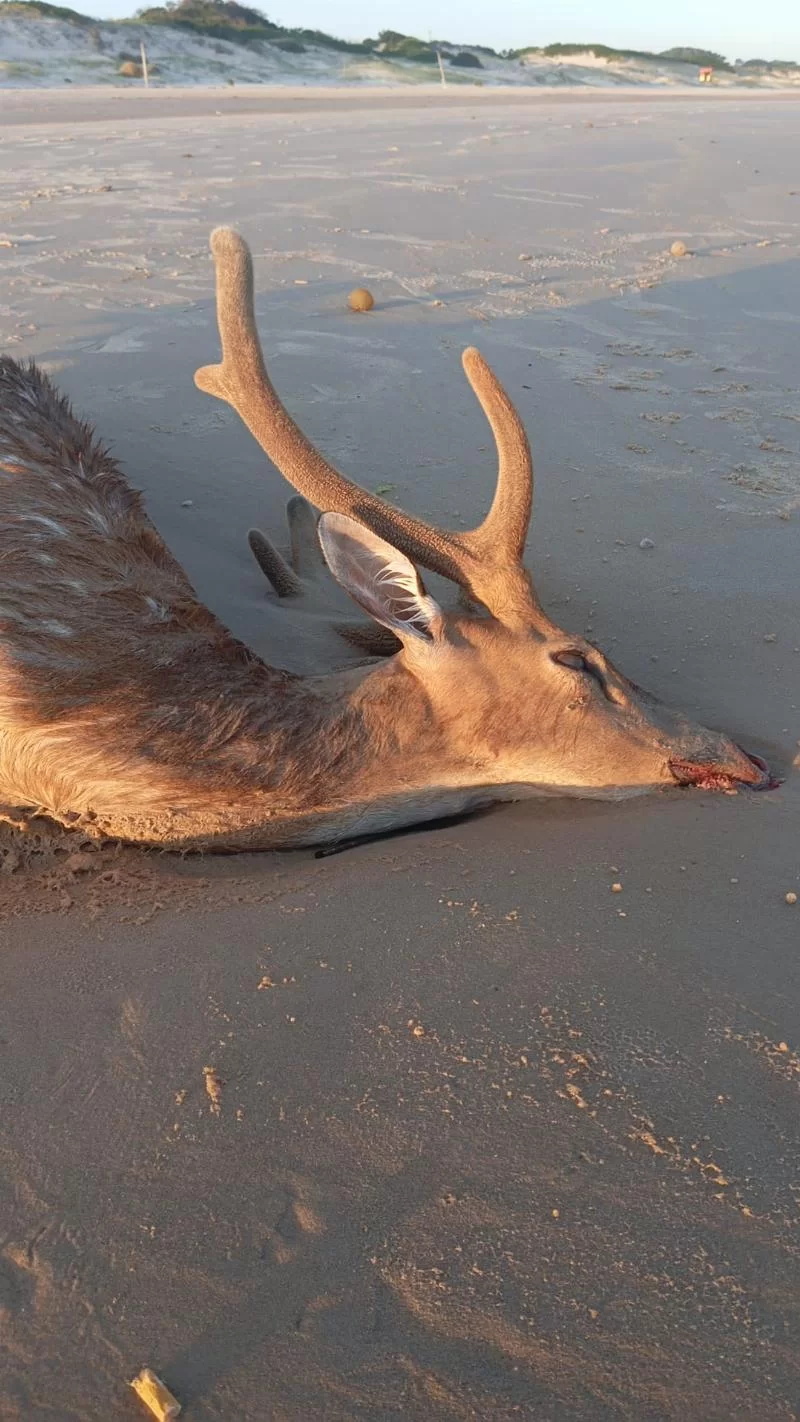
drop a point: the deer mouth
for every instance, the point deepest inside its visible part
(710, 775)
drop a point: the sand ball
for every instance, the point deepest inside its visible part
(679, 249)
(361, 299)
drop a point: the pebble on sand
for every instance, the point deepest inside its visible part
(791, 898)
(679, 249)
(361, 299)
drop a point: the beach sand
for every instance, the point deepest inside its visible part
(483, 1139)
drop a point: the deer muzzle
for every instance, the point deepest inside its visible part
(727, 773)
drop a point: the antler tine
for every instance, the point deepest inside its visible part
(506, 524)
(472, 560)
(242, 381)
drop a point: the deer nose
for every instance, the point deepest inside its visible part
(767, 780)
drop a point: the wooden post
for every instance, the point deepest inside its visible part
(145, 75)
(441, 69)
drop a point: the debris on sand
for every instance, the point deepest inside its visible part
(679, 249)
(155, 1396)
(213, 1088)
(361, 299)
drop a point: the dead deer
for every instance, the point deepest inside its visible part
(128, 709)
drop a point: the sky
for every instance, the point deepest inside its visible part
(738, 29)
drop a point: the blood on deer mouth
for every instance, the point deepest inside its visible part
(709, 776)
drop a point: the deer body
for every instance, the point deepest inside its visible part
(128, 709)
(125, 705)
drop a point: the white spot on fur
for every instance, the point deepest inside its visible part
(100, 522)
(48, 523)
(58, 629)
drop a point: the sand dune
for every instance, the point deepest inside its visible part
(49, 53)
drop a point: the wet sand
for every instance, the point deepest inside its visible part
(491, 1141)
(82, 104)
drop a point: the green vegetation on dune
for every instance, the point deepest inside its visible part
(600, 51)
(228, 20)
(217, 19)
(207, 15)
(242, 24)
(40, 10)
(403, 47)
(679, 55)
(318, 37)
(767, 66)
(704, 58)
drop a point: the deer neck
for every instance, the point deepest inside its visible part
(399, 767)
(294, 761)
(366, 754)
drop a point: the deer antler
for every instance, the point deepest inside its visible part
(485, 561)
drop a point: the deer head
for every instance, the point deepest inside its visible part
(510, 699)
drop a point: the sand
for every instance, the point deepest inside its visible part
(440, 1127)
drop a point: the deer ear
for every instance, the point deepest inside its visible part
(379, 577)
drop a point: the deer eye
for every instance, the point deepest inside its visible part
(575, 660)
